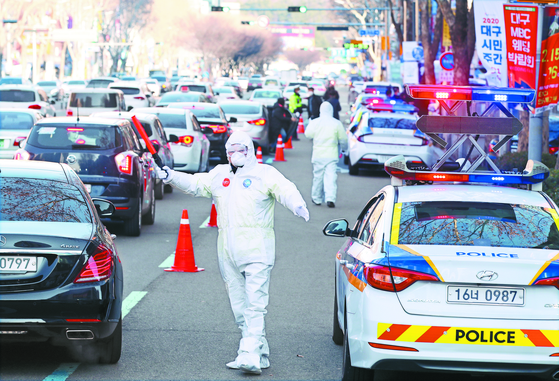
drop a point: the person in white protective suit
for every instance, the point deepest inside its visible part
(244, 193)
(327, 134)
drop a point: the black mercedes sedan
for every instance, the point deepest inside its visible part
(61, 280)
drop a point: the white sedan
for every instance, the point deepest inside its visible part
(452, 278)
(266, 97)
(191, 148)
(26, 97)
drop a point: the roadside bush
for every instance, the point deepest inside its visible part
(551, 185)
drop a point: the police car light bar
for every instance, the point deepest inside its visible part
(534, 173)
(471, 93)
(396, 107)
(468, 125)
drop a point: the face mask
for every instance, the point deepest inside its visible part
(238, 159)
(311, 93)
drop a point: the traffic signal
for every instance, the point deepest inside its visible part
(301, 9)
(248, 22)
(220, 9)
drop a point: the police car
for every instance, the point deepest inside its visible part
(450, 271)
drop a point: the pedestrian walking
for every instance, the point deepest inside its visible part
(314, 104)
(334, 100)
(244, 193)
(280, 123)
(327, 134)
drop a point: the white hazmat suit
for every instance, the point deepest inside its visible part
(245, 202)
(327, 133)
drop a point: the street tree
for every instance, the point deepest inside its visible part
(303, 58)
(462, 35)
(430, 39)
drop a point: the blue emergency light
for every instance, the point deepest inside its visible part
(471, 93)
(534, 173)
(389, 107)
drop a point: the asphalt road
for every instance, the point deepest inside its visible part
(180, 326)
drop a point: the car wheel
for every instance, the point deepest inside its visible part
(168, 188)
(353, 169)
(133, 226)
(207, 164)
(337, 332)
(111, 348)
(346, 159)
(149, 218)
(159, 190)
(351, 373)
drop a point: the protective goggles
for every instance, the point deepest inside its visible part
(237, 148)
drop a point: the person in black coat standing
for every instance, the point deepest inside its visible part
(314, 104)
(279, 122)
(334, 100)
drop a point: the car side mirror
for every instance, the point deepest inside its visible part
(104, 208)
(216, 93)
(173, 138)
(207, 131)
(232, 120)
(21, 143)
(52, 101)
(156, 145)
(337, 228)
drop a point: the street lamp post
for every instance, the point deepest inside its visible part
(8, 46)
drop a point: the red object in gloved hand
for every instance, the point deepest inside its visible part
(149, 146)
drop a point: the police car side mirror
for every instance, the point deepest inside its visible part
(337, 228)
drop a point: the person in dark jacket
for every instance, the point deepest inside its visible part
(314, 104)
(333, 99)
(279, 123)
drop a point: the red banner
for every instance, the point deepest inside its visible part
(521, 25)
(548, 84)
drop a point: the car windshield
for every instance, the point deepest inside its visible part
(160, 78)
(10, 81)
(75, 137)
(239, 108)
(477, 224)
(17, 96)
(266, 95)
(401, 124)
(172, 120)
(198, 88)
(128, 90)
(224, 90)
(99, 83)
(271, 82)
(13, 120)
(206, 112)
(180, 97)
(41, 200)
(46, 83)
(76, 82)
(380, 89)
(102, 100)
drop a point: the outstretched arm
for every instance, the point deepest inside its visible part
(286, 193)
(198, 185)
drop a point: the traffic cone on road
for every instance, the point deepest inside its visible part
(259, 155)
(184, 254)
(288, 145)
(213, 217)
(301, 126)
(279, 150)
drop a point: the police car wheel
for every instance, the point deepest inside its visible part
(353, 169)
(351, 373)
(337, 332)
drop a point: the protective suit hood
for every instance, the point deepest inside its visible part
(240, 137)
(326, 110)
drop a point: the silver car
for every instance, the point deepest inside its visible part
(14, 127)
(266, 97)
(26, 97)
(252, 118)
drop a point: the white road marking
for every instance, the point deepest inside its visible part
(269, 161)
(63, 372)
(169, 262)
(131, 300)
(204, 224)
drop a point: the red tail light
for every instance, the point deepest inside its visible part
(184, 89)
(99, 266)
(22, 155)
(548, 282)
(18, 140)
(83, 320)
(258, 122)
(553, 150)
(362, 137)
(140, 98)
(380, 277)
(35, 107)
(69, 112)
(218, 129)
(186, 140)
(124, 163)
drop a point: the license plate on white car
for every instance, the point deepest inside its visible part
(486, 295)
(88, 187)
(17, 264)
(383, 158)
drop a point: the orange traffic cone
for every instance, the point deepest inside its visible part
(259, 155)
(301, 126)
(184, 254)
(288, 145)
(279, 150)
(213, 217)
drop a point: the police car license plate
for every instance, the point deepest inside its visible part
(88, 187)
(486, 295)
(17, 264)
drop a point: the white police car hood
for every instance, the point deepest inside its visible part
(463, 269)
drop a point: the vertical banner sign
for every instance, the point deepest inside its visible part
(521, 24)
(548, 85)
(491, 40)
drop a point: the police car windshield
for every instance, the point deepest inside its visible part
(477, 224)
